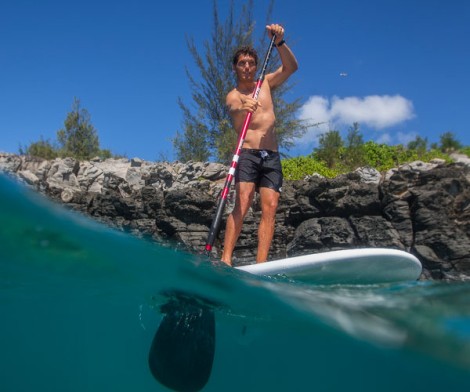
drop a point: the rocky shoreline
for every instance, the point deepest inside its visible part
(423, 208)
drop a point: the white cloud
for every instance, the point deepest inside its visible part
(405, 138)
(375, 111)
(385, 138)
(315, 110)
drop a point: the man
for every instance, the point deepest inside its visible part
(259, 167)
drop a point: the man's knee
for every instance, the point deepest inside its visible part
(269, 204)
(244, 199)
(270, 208)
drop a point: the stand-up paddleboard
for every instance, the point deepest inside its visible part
(354, 266)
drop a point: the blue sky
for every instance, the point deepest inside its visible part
(400, 68)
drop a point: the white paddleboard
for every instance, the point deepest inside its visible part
(352, 266)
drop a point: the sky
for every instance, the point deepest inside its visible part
(401, 69)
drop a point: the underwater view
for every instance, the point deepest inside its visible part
(88, 308)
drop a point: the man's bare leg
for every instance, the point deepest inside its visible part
(269, 203)
(244, 197)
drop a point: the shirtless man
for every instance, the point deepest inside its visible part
(259, 167)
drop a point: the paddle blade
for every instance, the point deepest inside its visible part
(182, 351)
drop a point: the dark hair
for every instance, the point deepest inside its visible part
(246, 51)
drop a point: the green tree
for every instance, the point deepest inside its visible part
(329, 148)
(354, 151)
(449, 143)
(196, 133)
(78, 138)
(380, 156)
(210, 128)
(419, 144)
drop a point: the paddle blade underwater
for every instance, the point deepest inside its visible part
(182, 351)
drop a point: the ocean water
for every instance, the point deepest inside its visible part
(80, 304)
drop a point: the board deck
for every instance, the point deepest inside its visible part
(352, 266)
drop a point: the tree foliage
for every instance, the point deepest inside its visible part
(354, 147)
(329, 146)
(79, 137)
(298, 167)
(449, 143)
(43, 148)
(335, 156)
(419, 145)
(207, 131)
(197, 133)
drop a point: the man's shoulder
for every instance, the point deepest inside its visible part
(233, 94)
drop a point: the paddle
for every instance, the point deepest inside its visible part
(182, 351)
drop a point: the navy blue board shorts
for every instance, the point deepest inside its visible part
(262, 167)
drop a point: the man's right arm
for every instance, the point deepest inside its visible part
(238, 104)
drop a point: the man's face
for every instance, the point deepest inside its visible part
(245, 68)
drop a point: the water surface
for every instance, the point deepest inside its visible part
(80, 304)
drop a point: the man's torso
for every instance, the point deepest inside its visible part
(260, 134)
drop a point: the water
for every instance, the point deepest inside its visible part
(80, 305)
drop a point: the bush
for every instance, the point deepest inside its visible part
(41, 149)
(466, 151)
(299, 167)
(379, 156)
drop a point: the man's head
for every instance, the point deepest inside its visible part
(245, 51)
(245, 61)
